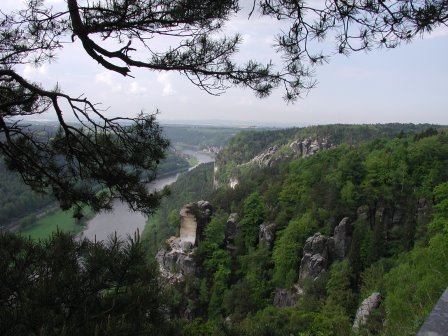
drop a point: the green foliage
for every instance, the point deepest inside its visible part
(415, 285)
(253, 217)
(215, 231)
(17, 199)
(172, 163)
(379, 185)
(220, 282)
(419, 278)
(253, 291)
(57, 220)
(340, 295)
(247, 144)
(440, 222)
(273, 321)
(64, 286)
(382, 179)
(199, 136)
(288, 249)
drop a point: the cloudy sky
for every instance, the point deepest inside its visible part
(406, 84)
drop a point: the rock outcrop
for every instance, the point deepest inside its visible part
(366, 309)
(319, 251)
(315, 260)
(176, 258)
(233, 182)
(230, 233)
(193, 219)
(303, 147)
(267, 234)
(267, 158)
(287, 297)
(309, 146)
(342, 238)
(298, 148)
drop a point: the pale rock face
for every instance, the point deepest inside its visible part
(266, 159)
(365, 310)
(315, 261)
(233, 182)
(177, 258)
(193, 219)
(188, 224)
(267, 233)
(308, 146)
(215, 176)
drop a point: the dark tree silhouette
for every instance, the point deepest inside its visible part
(106, 158)
(67, 286)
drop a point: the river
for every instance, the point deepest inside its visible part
(121, 219)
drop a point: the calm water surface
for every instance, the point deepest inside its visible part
(124, 221)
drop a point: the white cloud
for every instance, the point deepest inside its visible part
(269, 40)
(246, 101)
(247, 38)
(106, 77)
(164, 79)
(31, 72)
(136, 88)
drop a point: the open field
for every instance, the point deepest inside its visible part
(57, 220)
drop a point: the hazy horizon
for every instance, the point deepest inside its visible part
(405, 84)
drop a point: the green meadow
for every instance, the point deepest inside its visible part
(56, 220)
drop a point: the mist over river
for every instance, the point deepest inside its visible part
(124, 221)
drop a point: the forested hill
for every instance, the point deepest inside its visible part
(247, 144)
(267, 147)
(297, 245)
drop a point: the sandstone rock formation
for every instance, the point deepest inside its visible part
(176, 259)
(319, 251)
(342, 238)
(308, 146)
(287, 297)
(315, 260)
(297, 148)
(267, 158)
(267, 234)
(193, 218)
(365, 310)
(230, 233)
(233, 182)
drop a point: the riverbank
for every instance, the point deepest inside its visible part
(121, 220)
(100, 225)
(57, 220)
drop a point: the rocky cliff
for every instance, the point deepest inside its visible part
(177, 259)
(319, 252)
(296, 148)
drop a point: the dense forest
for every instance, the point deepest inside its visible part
(199, 136)
(320, 221)
(17, 199)
(385, 185)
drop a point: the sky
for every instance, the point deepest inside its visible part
(405, 84)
